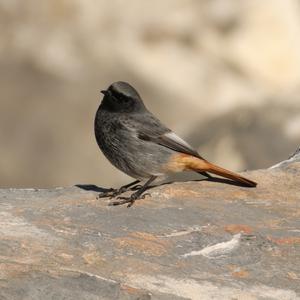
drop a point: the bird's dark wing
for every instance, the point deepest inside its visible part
(153, 130)
(172, 141)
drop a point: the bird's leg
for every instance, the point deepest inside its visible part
(134, 196)
(111, 193)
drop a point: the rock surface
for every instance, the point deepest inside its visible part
(231, 69)
(192, 240)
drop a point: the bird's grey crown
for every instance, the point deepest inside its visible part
(124, 88)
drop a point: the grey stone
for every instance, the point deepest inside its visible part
(188, 240)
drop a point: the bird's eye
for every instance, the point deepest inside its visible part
(121, 98)
(125, 99)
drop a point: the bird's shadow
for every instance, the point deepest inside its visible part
(226, 181)
(97, 189)
(210, 179)
(92, 188)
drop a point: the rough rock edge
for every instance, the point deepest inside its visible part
(42, 224)
(295, 157)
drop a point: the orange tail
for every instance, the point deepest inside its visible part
(180, 162)
(228, 174)
(201, 165)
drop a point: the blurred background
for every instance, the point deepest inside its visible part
(224, 74)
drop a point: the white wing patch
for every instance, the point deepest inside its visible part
(173, 136)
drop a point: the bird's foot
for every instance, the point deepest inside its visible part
(136, 187)
(112, 193)
(130, 200)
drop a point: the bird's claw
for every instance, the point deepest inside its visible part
(107, 193)
(130, 200)
(111, 193)
(136, 187)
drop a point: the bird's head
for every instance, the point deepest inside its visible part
(122, 97)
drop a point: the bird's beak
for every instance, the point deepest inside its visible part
(104, 92)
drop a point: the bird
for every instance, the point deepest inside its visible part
(136, 142)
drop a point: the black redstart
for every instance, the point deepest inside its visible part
(138, 144)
